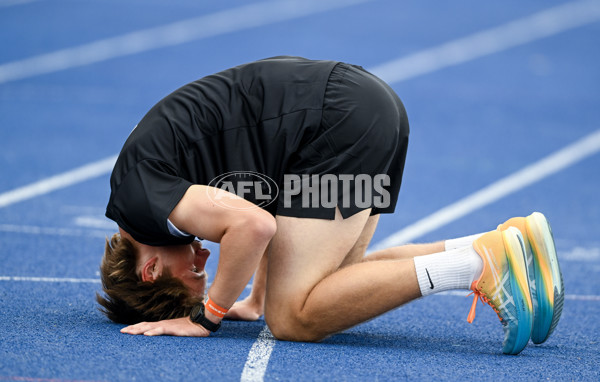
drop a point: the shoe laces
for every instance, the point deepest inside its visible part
(478, 294)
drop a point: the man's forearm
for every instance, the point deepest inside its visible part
(242, 248)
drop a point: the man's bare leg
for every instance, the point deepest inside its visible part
(311, 296)
(406, 251)
(252, 307)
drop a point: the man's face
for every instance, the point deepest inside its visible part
(186, 262)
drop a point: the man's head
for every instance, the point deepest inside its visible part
(145, 283)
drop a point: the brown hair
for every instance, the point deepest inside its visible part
(128, 299)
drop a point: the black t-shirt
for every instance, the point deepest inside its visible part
(253, 117)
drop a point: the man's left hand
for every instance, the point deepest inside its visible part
(182, 327)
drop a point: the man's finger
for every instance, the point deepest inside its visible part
(135, 329)
(128, 330)
(158, 331)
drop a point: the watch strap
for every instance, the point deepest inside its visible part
(197, 316)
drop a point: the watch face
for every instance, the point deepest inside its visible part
(197, 316)
(196, 312)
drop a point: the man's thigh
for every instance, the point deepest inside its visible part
(302, 253)
(358, 251)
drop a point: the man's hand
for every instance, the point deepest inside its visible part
(182, 327)
(246, 310)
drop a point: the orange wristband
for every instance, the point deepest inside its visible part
(215, 309)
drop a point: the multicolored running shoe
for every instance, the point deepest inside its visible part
(545, 277)
(504, 286)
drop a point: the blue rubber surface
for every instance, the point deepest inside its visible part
(471, 124)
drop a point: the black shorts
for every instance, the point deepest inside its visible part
(357, 159)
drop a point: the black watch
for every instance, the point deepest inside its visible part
(197, 316)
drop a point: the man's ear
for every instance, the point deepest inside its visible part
(150, 271)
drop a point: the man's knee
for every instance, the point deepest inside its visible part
(292, 326)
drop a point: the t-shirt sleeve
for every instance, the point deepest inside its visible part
(142, 202)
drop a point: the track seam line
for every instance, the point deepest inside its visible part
(555, 162)
(72, 280)
(211, 25)
(540, 25)
(258, 357)
(56, 182)
(265, 336)
(12, 3)
(53, 231)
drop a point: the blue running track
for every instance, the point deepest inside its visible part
(504, 105)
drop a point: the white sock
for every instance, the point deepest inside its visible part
(460, 242)
(453, 269)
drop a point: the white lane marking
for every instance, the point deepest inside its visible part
(581, 254)
(561, 159)
(52, 231)
(258, 357)
(264, 345)
(518, 32)
(10, 3)
(582, 297)
(99, 222)
(66, 179)
(75, 209)
(215, 24)
(50, 279)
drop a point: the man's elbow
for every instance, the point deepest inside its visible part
(263, 225)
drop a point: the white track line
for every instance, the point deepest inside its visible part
(10, 3)
(519, 32)
(256, 364)
(258, 357)
(535, 172)
(582, 297)
(52, 231)
(57, 182)
(50, 279)
(227, 21)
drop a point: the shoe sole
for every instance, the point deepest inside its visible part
(548, 278)
(517, 337)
